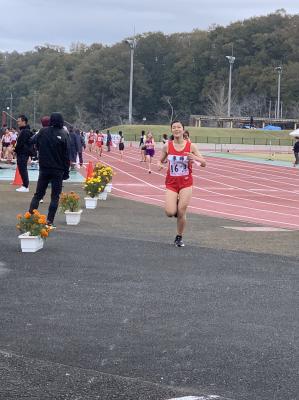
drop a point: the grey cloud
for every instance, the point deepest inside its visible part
(109, 21)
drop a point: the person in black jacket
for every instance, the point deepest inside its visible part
(296, 152)
(54, 162)
(23, 151)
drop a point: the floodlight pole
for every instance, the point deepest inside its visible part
(231, 61)
(132, 44)
(279, 70)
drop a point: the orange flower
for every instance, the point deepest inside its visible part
(44, 233)
(19, 216)
(27, 215)
(36, 212)
(42, 220)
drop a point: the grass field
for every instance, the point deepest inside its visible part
(268, 156)
(211, 135)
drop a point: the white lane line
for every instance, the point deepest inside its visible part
(226, 195)
(212, 201)
(229, 215)
(235, 165)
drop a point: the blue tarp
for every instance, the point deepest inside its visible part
(271, 128)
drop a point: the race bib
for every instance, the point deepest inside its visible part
(178, 165)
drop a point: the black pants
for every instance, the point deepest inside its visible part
(45, 177)
(80, 158)
(22, 161)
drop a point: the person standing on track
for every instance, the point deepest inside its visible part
(108, 141)
(99, 143)
(121, 144)
(180, 153)
(142, 146)
(149, 150)
(296, 152)
(91, 140)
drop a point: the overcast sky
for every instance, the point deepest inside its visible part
(29, 23)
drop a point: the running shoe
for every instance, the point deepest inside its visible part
(50, 226)
(22, 189)
(178, 241)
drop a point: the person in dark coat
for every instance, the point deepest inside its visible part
(296, 152)
(74, 150)
(80, 145)
(54, 160)
(23, 151)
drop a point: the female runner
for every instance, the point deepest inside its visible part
(180, 153)
(149, 150)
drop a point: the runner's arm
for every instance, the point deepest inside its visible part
(195, 155)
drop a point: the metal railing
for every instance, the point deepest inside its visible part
(225, 140)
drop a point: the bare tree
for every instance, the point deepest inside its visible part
(217, 102)
(167, 99)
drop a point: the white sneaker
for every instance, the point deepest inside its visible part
(41, 201)
(22, 189)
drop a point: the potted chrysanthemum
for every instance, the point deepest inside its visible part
(34, 230)
(92, 187)
(70, 205)
(105, 174)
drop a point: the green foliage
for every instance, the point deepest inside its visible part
(173, 74)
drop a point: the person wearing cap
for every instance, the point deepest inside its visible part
(53, 148)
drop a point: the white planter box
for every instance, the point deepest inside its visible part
(91, 202)
(73, 217)
(108, 187)
(31, 244)
(103, 195)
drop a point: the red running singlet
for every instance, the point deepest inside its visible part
(179, 173)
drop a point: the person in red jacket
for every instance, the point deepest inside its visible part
(180, 153)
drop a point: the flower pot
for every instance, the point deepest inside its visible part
(108, 187)
(73, 217)
(91, 202)
(102, 195)
(31, 244)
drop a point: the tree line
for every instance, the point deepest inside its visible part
(174, 75)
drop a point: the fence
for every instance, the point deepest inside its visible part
(226, 140)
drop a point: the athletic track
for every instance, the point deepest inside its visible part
(233, 189)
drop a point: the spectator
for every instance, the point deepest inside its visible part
(23, 151)
(80, 143)
(108, 140)
(7, 145)
(142, 146)
(121, 144)
(164, 138)
(296, 152)
(53, 148)
(74, 147)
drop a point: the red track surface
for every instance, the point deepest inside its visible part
(238, 190)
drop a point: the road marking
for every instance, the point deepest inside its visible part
(212, 397)
(3, 270)
(257, 229)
